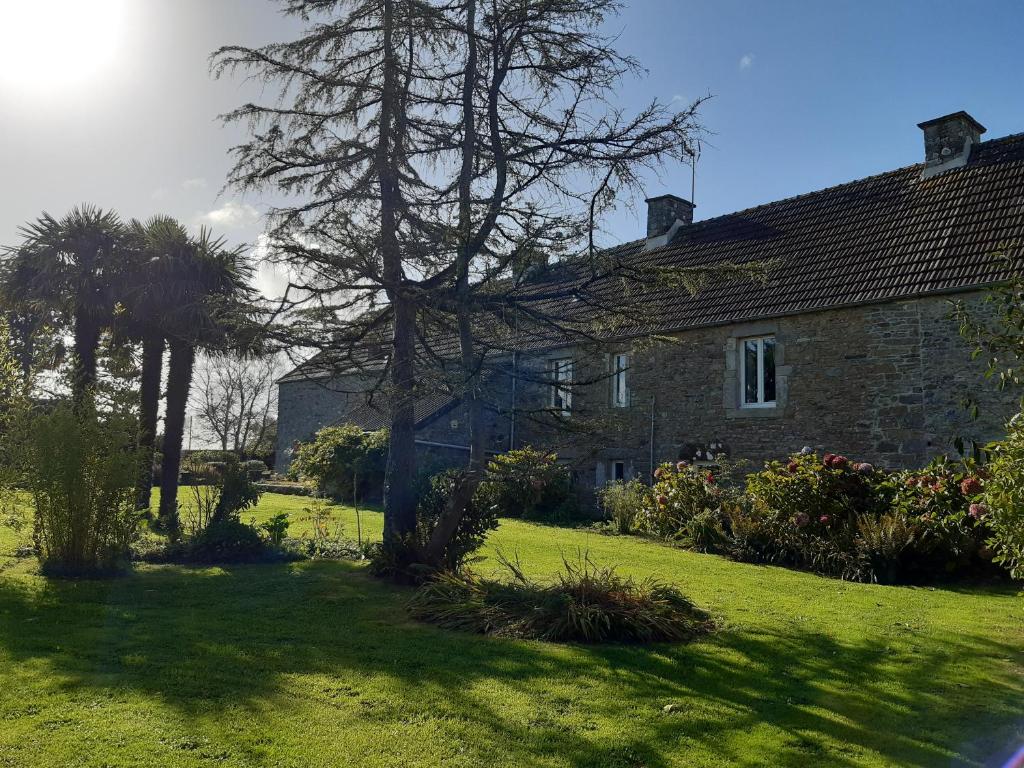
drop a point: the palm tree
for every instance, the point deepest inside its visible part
(158, 246)
(208, 284)
(70, 266)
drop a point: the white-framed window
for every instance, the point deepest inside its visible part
(757, 372)
(619, 365)
(560, 376)
(618, 470)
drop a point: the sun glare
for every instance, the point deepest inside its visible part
(51, 45)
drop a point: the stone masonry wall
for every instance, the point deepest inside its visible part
(881, 383)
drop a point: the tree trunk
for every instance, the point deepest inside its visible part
(179, 379)
(149, 405)
(400, 472)
(87, 341)
(465, 488)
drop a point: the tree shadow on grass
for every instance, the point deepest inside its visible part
(327, 636)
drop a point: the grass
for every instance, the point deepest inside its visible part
(317, 664)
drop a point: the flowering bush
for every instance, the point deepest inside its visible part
(848, 519)
(684, 504)
(818, 494)
(938, 501)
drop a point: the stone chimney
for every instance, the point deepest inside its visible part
(948, 142)
(665, 214)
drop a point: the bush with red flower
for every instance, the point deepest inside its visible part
(684, 506)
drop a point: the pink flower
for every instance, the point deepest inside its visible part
(792, 467)
(801, 519)
(838, 462)
(827, 459)
(970, 486)
(912, 482)
(978, 510)
(864, 468)
(659, 472)
(663, 500)
(824, 519)
(710, 479)
(681, 466)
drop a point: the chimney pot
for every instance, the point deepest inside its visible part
(948, 141)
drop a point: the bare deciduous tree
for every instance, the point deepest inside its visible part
(235, 400)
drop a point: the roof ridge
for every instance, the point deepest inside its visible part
(822, 190)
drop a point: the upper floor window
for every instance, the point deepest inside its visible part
(560, 375)
(757, 372)
(620, 386)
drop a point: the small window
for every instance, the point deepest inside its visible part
(560, 373)
(757, 372)
(618, 470)
(620, 387)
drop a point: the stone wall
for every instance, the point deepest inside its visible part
(881, 383)
(306, 405)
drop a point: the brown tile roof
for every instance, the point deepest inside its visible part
(882, 238)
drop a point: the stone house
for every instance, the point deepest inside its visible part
(849, 346)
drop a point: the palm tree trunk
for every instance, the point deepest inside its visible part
(179, 379)
(87, 342)
(149, 404)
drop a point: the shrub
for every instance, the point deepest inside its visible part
(681, 493)
(221, 491)
(255, 468)
(342, 461)
(623, 502)
(79, 468)
(935, 502)
(1000, 506)
(276, 528)
(530, 484)
(226, 540)
(215, 532)
(587, 603)
(479, 519)
(833, 488)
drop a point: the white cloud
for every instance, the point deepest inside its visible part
(746, 61)
(196, 183)
(231, 215)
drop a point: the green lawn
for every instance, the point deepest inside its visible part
(317, 664)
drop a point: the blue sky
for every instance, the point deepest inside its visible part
(811, 94)
(806, 95)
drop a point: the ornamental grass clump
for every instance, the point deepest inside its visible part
(586, 603)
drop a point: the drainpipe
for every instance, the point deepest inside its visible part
(651, 476)
(512, 420)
